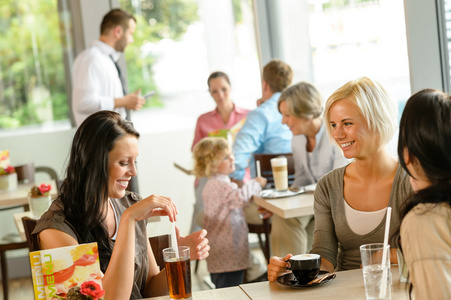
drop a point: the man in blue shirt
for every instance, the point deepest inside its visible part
(263, 131)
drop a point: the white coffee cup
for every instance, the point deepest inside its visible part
(280, 173)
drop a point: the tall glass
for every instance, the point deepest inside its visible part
(178, 272)
(280, 173)
(373, 276)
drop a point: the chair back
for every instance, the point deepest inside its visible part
(25, 173)
(29, 225)
(158, 243)
(266, 170)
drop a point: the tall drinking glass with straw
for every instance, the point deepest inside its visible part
(376, 266)
(178, 268)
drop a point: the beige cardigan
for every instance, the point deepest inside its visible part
(426, 244)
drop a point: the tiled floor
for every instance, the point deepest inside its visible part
(22, 288)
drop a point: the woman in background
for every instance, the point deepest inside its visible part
(424, 149)
(351, 202)
(314, 155)
(217, 122)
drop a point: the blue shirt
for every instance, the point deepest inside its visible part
(263, 132)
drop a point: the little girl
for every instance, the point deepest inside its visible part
(223, 211)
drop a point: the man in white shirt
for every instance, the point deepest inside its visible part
(97, 81)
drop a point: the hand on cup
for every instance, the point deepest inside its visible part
(305, 267)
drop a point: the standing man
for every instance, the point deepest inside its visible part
(97, 80)
(263, 131)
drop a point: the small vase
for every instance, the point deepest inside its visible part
(39, 205)
(8, 182)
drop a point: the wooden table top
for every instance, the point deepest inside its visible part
(347, 285)
(235, 293)
(20, 195)
(288, 207)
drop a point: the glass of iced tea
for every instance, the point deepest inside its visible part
(178, 272)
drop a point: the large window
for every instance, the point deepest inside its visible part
(178, 43)
(32, 73)
(342, 40)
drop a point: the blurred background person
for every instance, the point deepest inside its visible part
(263, 131)
(217, 122)
(97, 80)
(223, 211)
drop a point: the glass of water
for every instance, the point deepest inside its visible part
(376, 278)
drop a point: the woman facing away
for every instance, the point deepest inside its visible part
(217, 122)
(94, 206)
(424, 149)
(223, 211)
(350, 202)
(313, 154)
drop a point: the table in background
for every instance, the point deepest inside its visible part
(235, 293)
(288, 207)
(20, 195)
(347, 285)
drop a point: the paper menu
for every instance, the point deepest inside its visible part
(56, 271)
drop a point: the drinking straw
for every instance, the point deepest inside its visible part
(384, 254)
(259, 172)
(174, 240)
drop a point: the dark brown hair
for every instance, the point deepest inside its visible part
(278, 75)
(84, 192)
(216, 75)
(115, 17)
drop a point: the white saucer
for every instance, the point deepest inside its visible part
(272, 193)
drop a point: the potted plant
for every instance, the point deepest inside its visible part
(8, 178)
(39, 200)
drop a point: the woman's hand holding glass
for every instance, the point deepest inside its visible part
(277, 266)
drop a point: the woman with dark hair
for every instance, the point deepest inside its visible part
(94, 206)
(224, 116)
(424, 149)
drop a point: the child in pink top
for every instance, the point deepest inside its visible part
(223, 211)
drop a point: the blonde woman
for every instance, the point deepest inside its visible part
(351, 202)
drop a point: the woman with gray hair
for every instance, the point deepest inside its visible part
(351, 202)
(301, 108)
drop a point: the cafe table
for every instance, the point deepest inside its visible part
(346, 285)
(235, 293)
(289, 207)
(20, 195)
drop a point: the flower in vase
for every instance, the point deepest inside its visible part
(6, 171)
(89, 290)
(39, 191)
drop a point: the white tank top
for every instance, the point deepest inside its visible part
(363, 222)
(117, 223)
